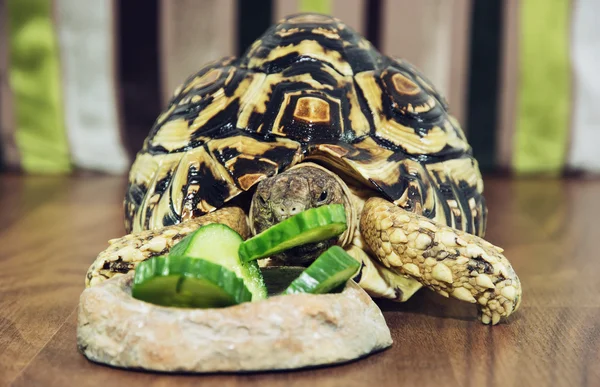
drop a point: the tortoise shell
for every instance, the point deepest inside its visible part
(309, 88)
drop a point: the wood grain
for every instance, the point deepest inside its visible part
(52, 228)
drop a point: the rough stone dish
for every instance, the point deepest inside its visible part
(282, 332)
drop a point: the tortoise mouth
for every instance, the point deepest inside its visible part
(303, 255)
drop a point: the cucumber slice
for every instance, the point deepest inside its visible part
(313, 225)
(187, 283)
(220, 244)
(332, 269)
(278, 278)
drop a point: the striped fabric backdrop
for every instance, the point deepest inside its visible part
(81, 81)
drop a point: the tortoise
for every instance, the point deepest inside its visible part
(313, 114)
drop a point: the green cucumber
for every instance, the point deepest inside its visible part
(187, 282)
(313, 225)
(220, 244)
(332, 269)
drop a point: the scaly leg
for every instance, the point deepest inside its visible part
(379, 281)
(447, 261)
(126, 252)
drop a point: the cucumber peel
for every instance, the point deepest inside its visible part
(310, 226)
(330, 270)
(187, 283)
(219, 244)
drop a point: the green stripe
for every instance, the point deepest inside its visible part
(34, 72)
(544, 93)
(319, 6)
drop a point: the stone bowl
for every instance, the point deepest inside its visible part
(280, 333)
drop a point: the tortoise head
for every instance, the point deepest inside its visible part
(305, 186)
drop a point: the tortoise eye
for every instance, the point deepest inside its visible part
(323, 196)
(262, 200)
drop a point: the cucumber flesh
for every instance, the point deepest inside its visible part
(332, 269)
(313, 225)
(219, 244)
(187, 283)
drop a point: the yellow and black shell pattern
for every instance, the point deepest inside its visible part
(309, 88)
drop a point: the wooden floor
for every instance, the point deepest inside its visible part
(53, 227)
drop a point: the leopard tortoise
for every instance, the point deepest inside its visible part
(313, 114)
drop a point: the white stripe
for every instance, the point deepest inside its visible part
(433, 36)
(283, 8)
(85, 30)
(585, 136)
(10, 152)
(193, 33)
(352, 13)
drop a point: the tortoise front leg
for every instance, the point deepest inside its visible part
(447, 261)
(379, 281)
(124, 253)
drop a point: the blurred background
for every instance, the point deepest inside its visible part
(82, 81)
